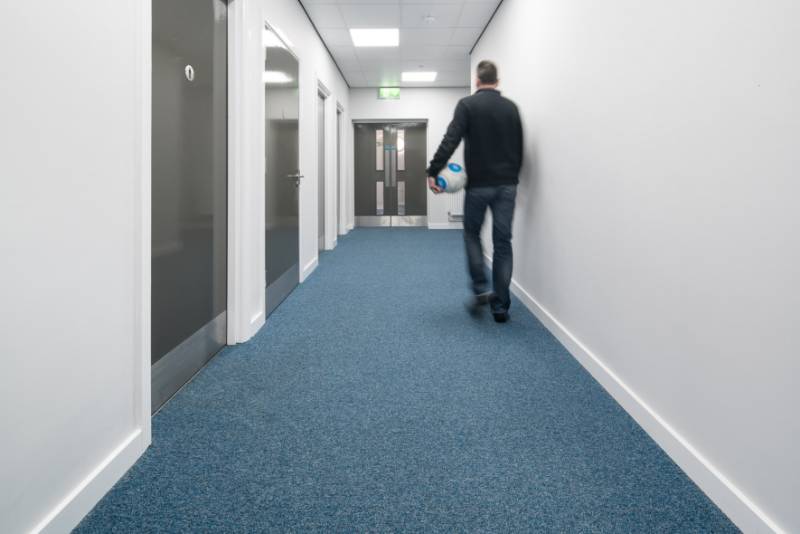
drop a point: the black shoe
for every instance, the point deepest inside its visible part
(474, 304)
(501, 317)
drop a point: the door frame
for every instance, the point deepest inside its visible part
(341, 193)
(328, 203)
(246, 167)
(287, 45)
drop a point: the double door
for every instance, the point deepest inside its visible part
(390, 181)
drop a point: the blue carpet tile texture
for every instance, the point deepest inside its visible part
(372, 402)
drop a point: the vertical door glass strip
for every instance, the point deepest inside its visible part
(379, 149)
(401, 150)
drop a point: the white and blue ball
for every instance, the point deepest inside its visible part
(452, 178)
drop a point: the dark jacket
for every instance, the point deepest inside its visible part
(492, 131)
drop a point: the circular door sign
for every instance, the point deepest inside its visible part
(189, 71)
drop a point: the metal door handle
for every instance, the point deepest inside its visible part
(296, 177)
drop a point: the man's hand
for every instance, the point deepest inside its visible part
(432, 185)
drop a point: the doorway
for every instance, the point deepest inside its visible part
(390, 182)
(189, 190)
(282, 176)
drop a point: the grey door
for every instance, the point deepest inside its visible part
(189, 190)
(390, 181)
(282, 179)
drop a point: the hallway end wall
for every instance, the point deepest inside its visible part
(656, 216)
(436, 105)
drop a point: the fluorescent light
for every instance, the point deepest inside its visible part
(419, 76)
(376, 37)
(276, 76)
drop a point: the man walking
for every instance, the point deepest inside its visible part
(492, 131)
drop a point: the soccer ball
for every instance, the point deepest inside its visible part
(452, 178)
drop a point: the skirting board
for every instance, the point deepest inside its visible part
(80, 501)
(728, 497)
(256, 322)
(308, 269)
(446, 226)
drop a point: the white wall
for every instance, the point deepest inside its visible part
(74, 242)
(657, 220)
(436, 105)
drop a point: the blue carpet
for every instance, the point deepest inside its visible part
(372, 402)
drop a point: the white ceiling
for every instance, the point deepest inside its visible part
(442, 45)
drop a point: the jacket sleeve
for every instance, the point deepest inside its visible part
(456, 130)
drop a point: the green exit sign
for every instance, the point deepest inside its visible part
(389, 93)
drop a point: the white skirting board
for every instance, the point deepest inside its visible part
(308, 269)
(728, 497)
(80, 501)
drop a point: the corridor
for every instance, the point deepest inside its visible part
(371, 401)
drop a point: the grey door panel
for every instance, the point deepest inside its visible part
(189, 189)
(416, 193)
(282, 178)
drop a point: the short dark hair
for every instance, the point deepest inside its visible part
(487, 72)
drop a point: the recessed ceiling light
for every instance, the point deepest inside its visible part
(276, 76)
(375, 37)
(419, 76)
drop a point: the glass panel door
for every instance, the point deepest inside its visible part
(282, 180)
(390, 182)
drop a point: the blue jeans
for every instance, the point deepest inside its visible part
(501, 200)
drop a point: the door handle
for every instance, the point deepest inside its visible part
(296, 177)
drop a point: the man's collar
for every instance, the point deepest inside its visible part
(492, 89)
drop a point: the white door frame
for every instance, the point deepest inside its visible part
(341, 208)
(329, 143)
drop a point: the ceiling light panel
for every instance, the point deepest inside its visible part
(419, 76)
(375, 37)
